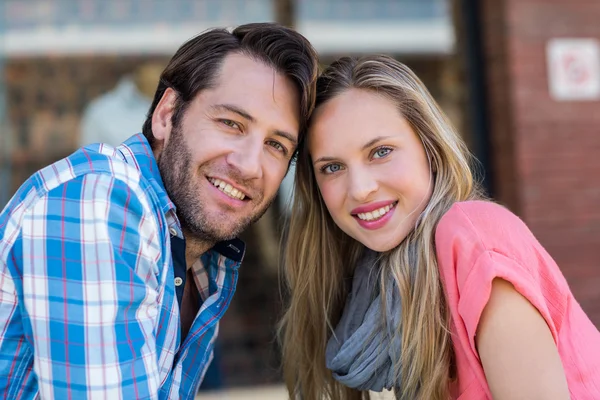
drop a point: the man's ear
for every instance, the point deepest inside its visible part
(161, 118)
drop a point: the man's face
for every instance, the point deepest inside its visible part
(223, 163)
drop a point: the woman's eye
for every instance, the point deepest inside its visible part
(382, 152)
(331, 168)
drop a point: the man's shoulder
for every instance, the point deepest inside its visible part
(95, 189)
(94, 160)
(71, 178)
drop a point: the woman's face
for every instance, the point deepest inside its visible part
(370, 166)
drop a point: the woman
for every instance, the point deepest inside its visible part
(402, 276)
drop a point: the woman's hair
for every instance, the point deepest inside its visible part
(319, 258)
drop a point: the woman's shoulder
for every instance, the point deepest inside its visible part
(479, 212)
(471, 229)
(485, 221)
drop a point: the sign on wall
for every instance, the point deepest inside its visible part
(574, 69)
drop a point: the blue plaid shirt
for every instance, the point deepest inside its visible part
(88, 304)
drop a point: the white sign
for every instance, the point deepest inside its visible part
(574, 69)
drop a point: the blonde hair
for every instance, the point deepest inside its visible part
(319, 257)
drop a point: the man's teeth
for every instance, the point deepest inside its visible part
(227, 189)
(376, 214)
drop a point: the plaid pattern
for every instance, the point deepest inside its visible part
(87, 294)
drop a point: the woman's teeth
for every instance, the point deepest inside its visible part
(227, 189)
(376, 214)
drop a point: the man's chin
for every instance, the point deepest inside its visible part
(222, 236)
(217, 227)
(216, 234)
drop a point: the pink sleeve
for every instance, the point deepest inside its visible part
(480, 241)
(477, 288)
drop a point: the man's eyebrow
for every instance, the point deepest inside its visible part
(235, 109)
(287, 136)
(244, 114)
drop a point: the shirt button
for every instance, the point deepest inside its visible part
(178, 281)
(173, 231)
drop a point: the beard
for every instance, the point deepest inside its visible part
(184, 190)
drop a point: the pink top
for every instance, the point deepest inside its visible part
(477, 241)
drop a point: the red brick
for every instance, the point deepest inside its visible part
(546, 153)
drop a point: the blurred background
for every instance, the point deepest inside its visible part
(519, 78)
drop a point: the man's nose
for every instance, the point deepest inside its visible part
(247, 159)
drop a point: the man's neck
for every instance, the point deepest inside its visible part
(194, 248)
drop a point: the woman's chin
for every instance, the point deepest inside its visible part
(381, 246)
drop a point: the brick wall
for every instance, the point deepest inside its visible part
(546, 153)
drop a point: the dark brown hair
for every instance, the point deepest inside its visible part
(195, 65)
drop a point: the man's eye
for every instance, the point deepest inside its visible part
(230, 123)
(331, 168)
(278, 146)
(382, 152)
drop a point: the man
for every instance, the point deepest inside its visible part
(116, 264)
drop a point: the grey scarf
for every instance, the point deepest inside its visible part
(361, 352)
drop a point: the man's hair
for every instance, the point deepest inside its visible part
(195, 65)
